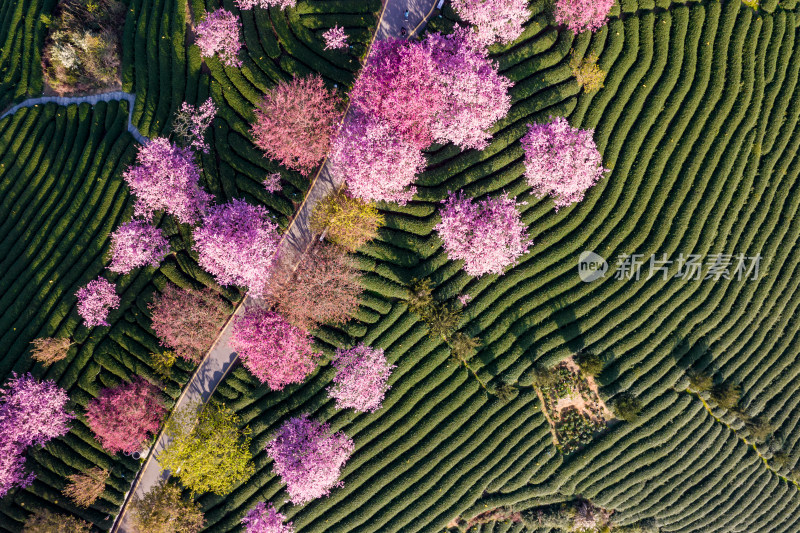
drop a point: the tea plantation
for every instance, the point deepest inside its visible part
(697, 121)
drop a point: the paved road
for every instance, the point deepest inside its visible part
(93, 99)
(295, 242)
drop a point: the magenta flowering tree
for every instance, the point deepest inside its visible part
(335, 38)
(265, 4)
(561, 161)
(220, 33)
(237, 243)
(135, 244)
(124, 417)
(191, 123)
(376, 163)
(265, 519)
(474, 94)
(486, 234)
(274, 351)
(494, 20)
(31, 413)
(309, 458)
(360, 380)
(166, 178)
(582, 15)
(96, 300)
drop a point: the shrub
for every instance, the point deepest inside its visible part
(124, 417)
(487, 235)
(727, 394)
(85, 489)
(544, 377)
(220, 33)
(49, 350)
(96, 300)
(420, 296)
(443, 320)
(582, 15)
(309, 458)
(700, 381)
(463, 347)
(494, 20)
(324, 287)
(263, 519)
(627, 407)
(45, 521)
(505, 391)
(273, 350)
(237, 243)
(208, 452)
(295, 121)
(360, 380)
(136, 244)
(346, 220)
(591, 364)
(187, 321)
(586, 72)
(162, 509)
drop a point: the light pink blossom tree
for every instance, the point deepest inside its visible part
(335, 38)
(166, 178)
(272, 183)
(265, 519)
(273, 350)
(135, 244)
(220, 33)
(309, 458)
(190, 124)
(124, 417)
(360, 380)
(494, 20)
(95, 300)
(486, 234)
(295, 121)
(376, 163)
(561, 161)
(265, 4)
(237, 243)
(582, 15)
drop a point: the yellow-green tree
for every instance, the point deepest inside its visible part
(587, 72)
(163, 510)
(44, 521)
(347, 221)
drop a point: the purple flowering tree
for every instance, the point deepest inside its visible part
(486, 234)
(272, 183)
(561, 161)
(95, 300)
(494, 20)
(360, 380)
(220, 33)
(135, 244)
(166, 178)
(273, 350)
(237, 243)
(265, 519)
(309, 458)
(582, 15)
(335, 38)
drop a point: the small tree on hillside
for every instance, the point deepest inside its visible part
(190, 124)
(188, 320)
(265, 519)
(123, 418)
(360, 380)
(727, 394)
(627, 407)
(323, 288)
(274, 351)
(335, 38)
(162, 362)
(346, 220)
(420, 296)
(309, 458)
(208, 452)
(494, 20)
(136, 244)
(85, 489)
(220, 33)
(162, 509)
(586, 72)
(96, 300)
(45, 521)
(49, 350)
(295, 121)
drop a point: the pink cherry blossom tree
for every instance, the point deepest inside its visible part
(360, 380)
(295, 122)
(265, 519)
(220, 33)
(124, 417)
(265, 4)
(474, 94)
(273, 350)
(166, 178)
(237, 243)
(335, 38)
(582, 15)
(486, 234)
(494, 20)
(309, 458)
(135, 244)
(561, 161)
(190, 124)
(376, 163)
(95, 300)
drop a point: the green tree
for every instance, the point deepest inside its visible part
(587, 72)
(699, 381)
(727, 395)
(347, 221)
(208, 452)
(627, 407)
(590, 363)
(420, 297)
(163, 510)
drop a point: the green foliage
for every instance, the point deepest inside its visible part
(590, 363)
(627, 407)
(162, 362)
(727, 394)
(586, 72)
(420, 296)
(443, 319)
(463, 347)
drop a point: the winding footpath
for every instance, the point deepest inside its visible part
(92, 100)
(221, 357)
